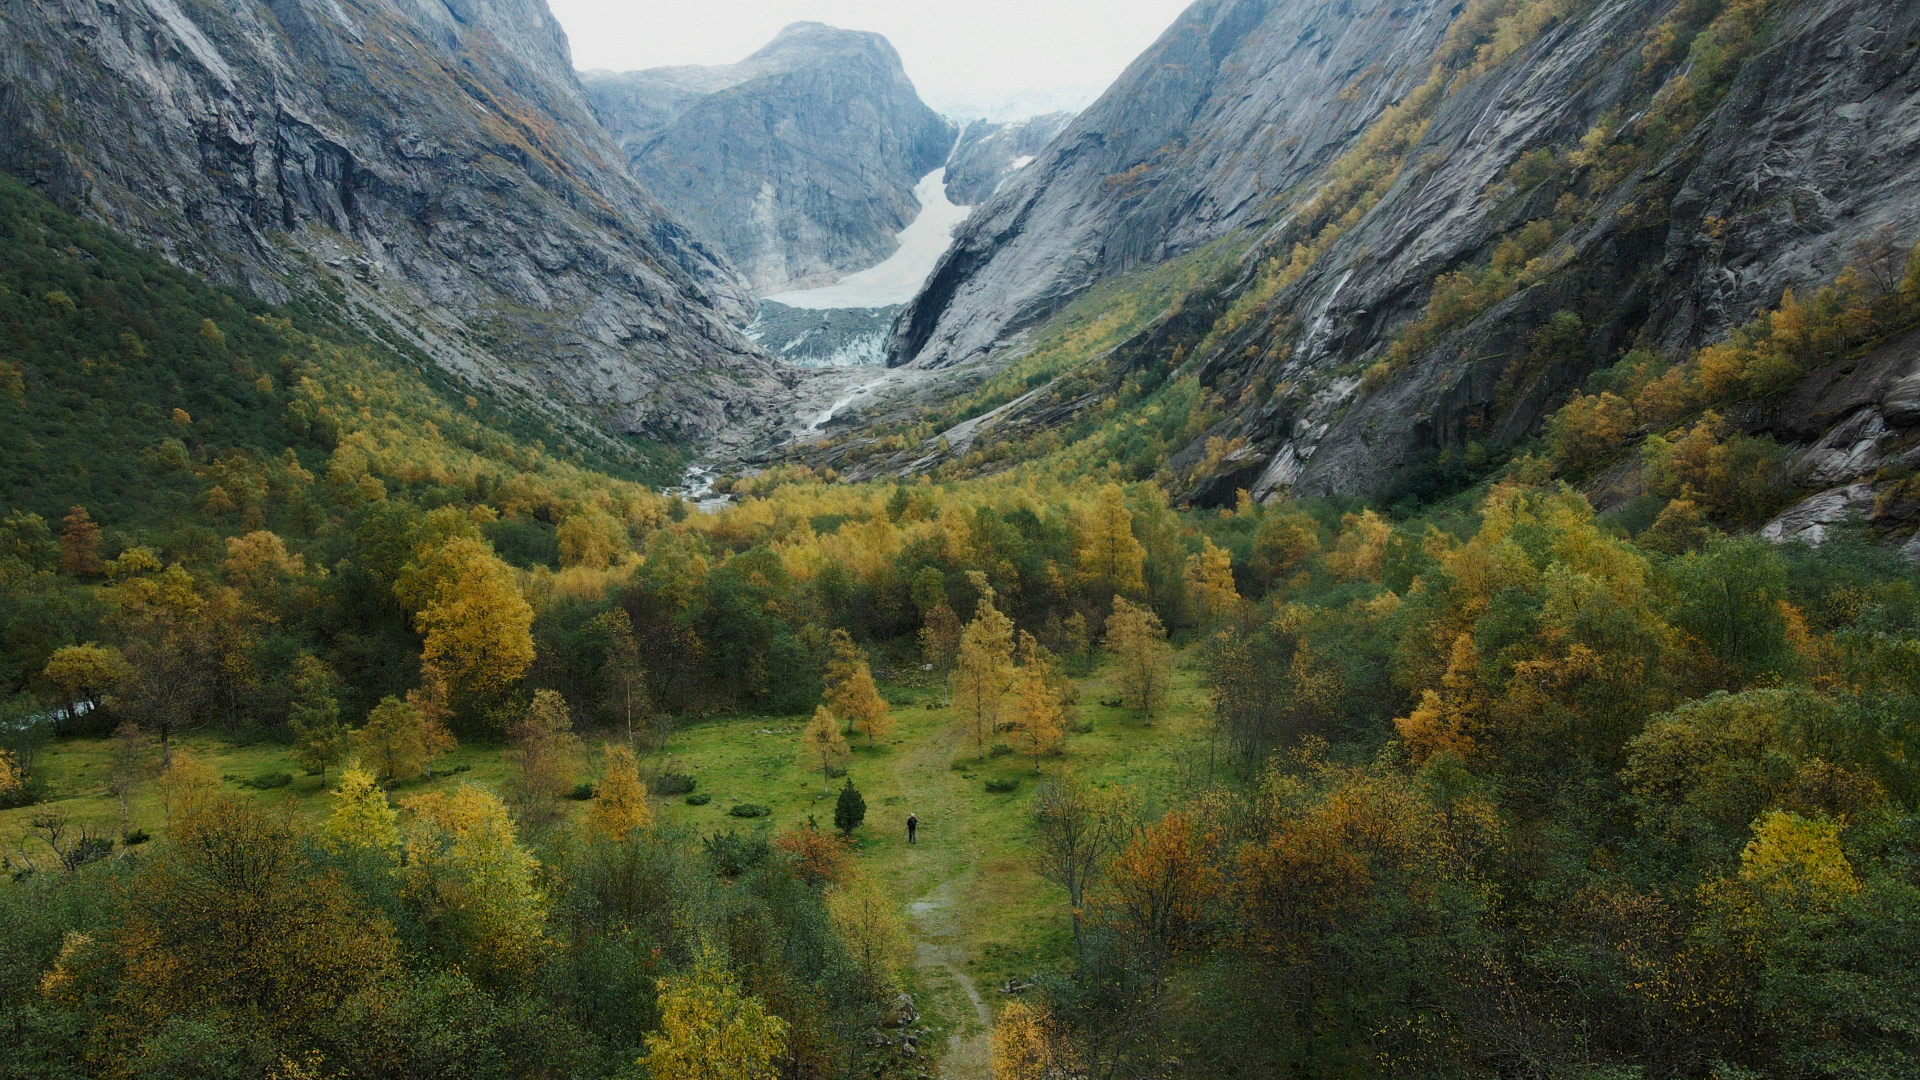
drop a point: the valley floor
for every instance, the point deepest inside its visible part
(979, 913)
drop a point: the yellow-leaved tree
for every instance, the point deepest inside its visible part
(1026, 1044)
(592, 538)
(983, 669)
(478, 628)
(10, 778)
(821, 741)
(620, 806)
(1209, 578)
(1108, 552)
(867, 920)
(362, 822)
(709, 1030)
(473, 881)
(400, 741)
(1037, 703)
(1139, 643)
(851, 692)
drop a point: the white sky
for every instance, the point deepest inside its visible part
(969, 49)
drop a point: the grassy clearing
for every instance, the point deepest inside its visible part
(975, 901)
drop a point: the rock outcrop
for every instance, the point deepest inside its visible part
(1238, 102)
(990, 152)
(432, 168)
(798, 163)
(1238, 120)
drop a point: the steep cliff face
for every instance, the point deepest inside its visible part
(798, 163)
(432, 167)
(989, 152)
(1420, 191)
(1238, 102)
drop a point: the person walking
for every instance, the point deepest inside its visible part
(913, 827)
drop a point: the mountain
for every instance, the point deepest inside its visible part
(798, 163)
(433, 169)
(1433, 223)
(990, 151)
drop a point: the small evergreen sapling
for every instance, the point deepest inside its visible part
(851, 810)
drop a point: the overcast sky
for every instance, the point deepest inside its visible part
(972, 48)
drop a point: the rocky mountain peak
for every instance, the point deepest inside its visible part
(798, 163)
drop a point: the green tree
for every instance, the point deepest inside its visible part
(850, 810)
(400, 742)
(320, 740)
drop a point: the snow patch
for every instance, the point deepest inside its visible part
(898, 279)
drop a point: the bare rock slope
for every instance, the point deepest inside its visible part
(798, 163)
(1659, 197)
(433, 167)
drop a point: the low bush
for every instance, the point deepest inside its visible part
(670, 783)
(999, 749)
(732, 854)
(137, 836)
(267, 781)
(1002, 787)
(701, 799)
(750, 810)
(581, 793)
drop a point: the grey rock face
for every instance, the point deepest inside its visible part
(1229, 120)
(989, 152)
(798, 163)
(434, 165)
(1239, 101)
(823, 337)
(1815, 147)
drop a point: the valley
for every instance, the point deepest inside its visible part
(1382, 542)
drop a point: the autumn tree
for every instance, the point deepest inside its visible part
(400, 742)
(1139, 644)
(940, 639)
(1209, 580)
(185, 782)
(320, 740)
(1108, 552)
(1037, 703)
(362, 823)
(983, 670)
(478, 628)
(1160, 892)
(591, 538)
(1078, 828)
(851, 692)
(821, 741)
(1027, 1044)
(258, 560)
(11, 778)
(545, 755)
(80, 545)
(232, 917)
(1285, 540)
(620, 805)
(81, 674)
(709, 1030)
(472, 881)
(868, 921)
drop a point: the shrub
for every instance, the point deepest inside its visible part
(701, 799)
(670, 783)
(750, 810)
(137, 836)
(961, 764)
(34, 790)
(999, 749)
(581, 792)
(1003, 787)
(267, 781)
(732, 854)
